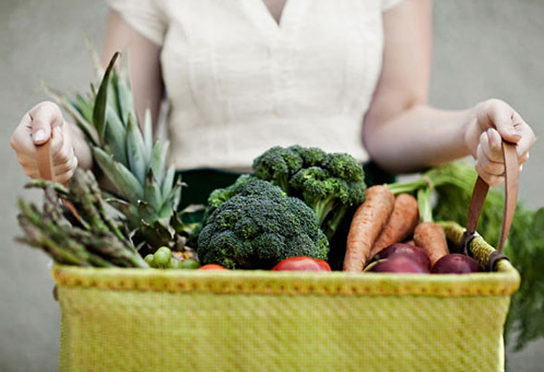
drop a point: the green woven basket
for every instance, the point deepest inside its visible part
(180, 320)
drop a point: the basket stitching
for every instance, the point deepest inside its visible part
(282, 289)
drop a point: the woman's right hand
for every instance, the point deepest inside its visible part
(41, 123)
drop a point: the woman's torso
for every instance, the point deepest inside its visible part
(238, 82)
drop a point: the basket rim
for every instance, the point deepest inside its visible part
(504, 282)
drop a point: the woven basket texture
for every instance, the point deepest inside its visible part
(180, 320)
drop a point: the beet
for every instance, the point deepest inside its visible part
(399, 263)
(456, 263)
(415, 253)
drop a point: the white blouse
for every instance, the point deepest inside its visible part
(239, 83)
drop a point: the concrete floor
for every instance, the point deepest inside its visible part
(481, 50)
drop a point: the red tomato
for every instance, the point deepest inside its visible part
(302, 263)
(212, 267)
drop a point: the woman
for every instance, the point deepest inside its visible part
(242, 76)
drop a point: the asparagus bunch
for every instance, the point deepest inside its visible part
(88, 238)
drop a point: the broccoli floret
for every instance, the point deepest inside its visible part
(319, 190)
(344, 166)
(259, 227)
(219, 196)
(329, 183)
(277, 165)
(311, 156)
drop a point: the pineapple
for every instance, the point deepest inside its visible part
(146, 193)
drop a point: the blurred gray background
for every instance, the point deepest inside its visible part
(482, 49)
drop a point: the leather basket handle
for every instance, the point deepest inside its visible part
(510, 201)
(45, 163)
(45, 169)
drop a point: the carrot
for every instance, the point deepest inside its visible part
(366, 225)
(430, 237)
(401, 224)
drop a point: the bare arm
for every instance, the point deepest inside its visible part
(144, 62)
(403, 133)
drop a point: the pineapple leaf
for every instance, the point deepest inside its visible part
(156, 163)
(146, 212)
(85, 108)
(136, 151)
(101, 101)
(156, 235)
(171, 200)
(126, 184)
(129, 211)
(168, 181)
(148, 134)
(152, 192)
(116, 136)
(112, 91)
(124, 98)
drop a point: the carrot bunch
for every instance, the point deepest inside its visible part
(385, 219)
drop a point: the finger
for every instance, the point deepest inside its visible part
(489, 166)
(490, 142)
(32, 173)
(527, 140)
(502, 117)
(21, 140)
(65, 167)
(27, 162)
(64, 156)
(65, 177)
(490, 179)
(43, 117)
(523, 158)
(57, 142)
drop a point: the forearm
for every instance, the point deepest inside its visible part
(417, 138)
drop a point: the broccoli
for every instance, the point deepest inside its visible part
(277, 165)
(219, 196)
(258, 227)
(330, 183)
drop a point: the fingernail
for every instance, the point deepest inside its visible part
(39, 135)
(492, 138)
(521, 167)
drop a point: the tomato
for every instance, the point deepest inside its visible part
(302, 263)
(212, 267)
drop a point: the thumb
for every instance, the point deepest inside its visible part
(44, 116)
(41, 131)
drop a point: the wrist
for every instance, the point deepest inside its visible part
(471, 130)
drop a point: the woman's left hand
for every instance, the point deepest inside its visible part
(491, 122)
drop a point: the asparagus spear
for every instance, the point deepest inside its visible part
(94, 241)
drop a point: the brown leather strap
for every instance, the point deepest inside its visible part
(511, 176)
(511, 194)
(45, 163)
(45, 169)
(476, 204)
